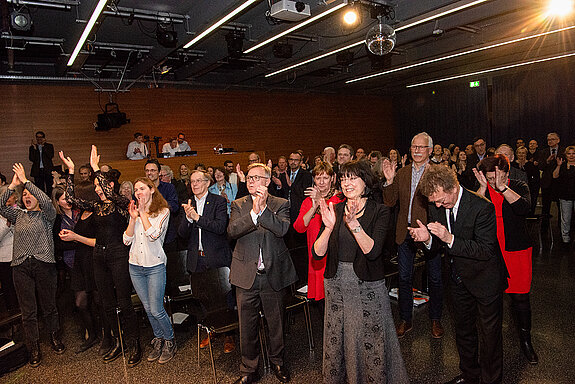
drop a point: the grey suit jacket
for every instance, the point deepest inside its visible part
(268, 234)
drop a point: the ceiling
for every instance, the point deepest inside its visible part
(123, 51)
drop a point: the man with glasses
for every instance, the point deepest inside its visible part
(152, 169)
(293, 183)
(261, 270)
(41, 154)
(204, 228)
(547, 163)
(402, 187)
(463, 224)
(480, 151)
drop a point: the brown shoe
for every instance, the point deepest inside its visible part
(402, 328)
(205, 342)
(436, 329)
(229, 344)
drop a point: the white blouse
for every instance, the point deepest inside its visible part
(147, 246)
(6, 240)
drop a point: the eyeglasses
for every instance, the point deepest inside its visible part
(290, 159)
(350, 179)
(198, 181)
(256, 177)
(419, 147)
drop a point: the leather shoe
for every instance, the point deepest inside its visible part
(134, 353)
(205, 342)
(35, 355)
(281, 373)
(461, 380)
(436, 329)
(402, 328)
(56, 343)
(248, 379)
(229, 344)
(114, 352)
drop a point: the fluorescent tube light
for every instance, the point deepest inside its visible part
(220, 22)
(492, 70)
(87, 30)
(459, 54)
(296, 27)
(409, 25)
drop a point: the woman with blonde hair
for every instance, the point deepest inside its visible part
(145, 235)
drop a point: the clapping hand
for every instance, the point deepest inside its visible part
(190, 211)
(559, 161)
(419, 233)
(327, 214)
(500, 179)
(241, 176)
(94, 159)
(440, 231)
(133, 210)
(388, 170)
(480, 178)
(67, 162)
(18, 169)
(67, 235)
(260, 200)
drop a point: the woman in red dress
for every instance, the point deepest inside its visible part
(309, 221)
(512, 205)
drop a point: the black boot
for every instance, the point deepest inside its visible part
(114, 352)
(90, 326)
(524, 322)
(56, 343)
(35, 354)
(134, 353)
(107, 339)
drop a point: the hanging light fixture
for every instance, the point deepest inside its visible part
(380, 39)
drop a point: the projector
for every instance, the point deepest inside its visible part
(290, 10)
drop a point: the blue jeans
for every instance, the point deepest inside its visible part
(150, 285)
(405, 257)
(567, 208)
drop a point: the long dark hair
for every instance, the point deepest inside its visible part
(361, 169)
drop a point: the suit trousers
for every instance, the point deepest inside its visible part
(44, 180)
(31, 277)
(478, 334)
(260, 295)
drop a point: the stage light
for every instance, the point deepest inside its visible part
(351, 17)
(559, 8)
(21, 21)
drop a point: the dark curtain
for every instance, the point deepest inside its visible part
(533, 103)
(450, 113)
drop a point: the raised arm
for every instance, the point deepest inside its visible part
(48, 210)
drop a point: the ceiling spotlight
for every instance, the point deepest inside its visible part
(168, 39)
(165, 69)
(380, 39)
(21, 21)
(351, 17)
(559, 8)
(235, 40)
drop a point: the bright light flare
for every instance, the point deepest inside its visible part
(350, 17)
(559, 8)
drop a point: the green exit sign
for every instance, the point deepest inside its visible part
(473, 84)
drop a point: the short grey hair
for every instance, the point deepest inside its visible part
(168, 170)
(426, 135)
(267, 170)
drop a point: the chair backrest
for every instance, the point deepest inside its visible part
(213, 289)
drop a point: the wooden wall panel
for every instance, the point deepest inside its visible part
(271, 122)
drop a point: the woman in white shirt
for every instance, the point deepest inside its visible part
(145, 236)
(6, 246)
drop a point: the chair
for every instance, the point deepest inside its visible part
(213, 290)
(293, 302)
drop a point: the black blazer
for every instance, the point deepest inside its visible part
(548, 168)
(213, 223)
(295, 192)
(47, 156)
(516, 237)
(476, 254)
(375, 222)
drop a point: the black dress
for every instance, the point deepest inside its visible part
(82, 275)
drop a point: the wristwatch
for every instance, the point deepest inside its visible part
(505, 190)
(356, 229)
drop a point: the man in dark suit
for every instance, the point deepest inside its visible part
(464, 224)
(293, 184)
(480, 151)
(261, 270)
(547, 158)
(402, 189)
(41, 155)
(205, 228)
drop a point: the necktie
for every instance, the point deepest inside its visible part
(554, 151)
(454, 275)
(451, 219)
(292, 177)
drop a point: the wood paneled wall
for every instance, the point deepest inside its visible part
(272, 122)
